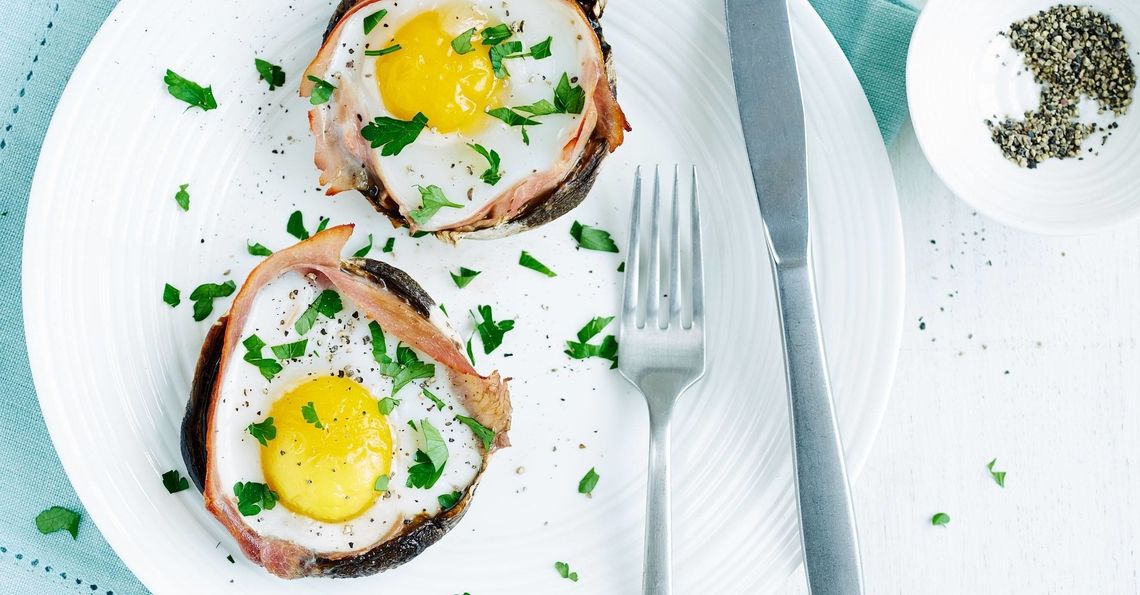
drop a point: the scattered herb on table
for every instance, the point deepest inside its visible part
(58, 518)
(588, 482)
(171, 296)
(182, 197)
(940, 519)
(999, 476)
(564, 571)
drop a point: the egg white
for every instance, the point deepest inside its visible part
(445, 160)
(334, 345)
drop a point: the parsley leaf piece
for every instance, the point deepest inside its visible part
(462, 44)
(541, 49)
(292, 350)
(500, 52)
(270, 73)
(999, 476)
(257, 249)
(296, 226)
(432, 200)
(464, 277)
(189, 91)
(422, 474)
(621, 267)
(491, 332)
(203, 297)
(594, 327)
(940, 519)
(381, 484)
(435, 447)
(384, 51)
(267, 366)
(263, 431)
(58, 518)
(230, 558)
(564, 571)
(174, 482)
(541, 107)
(588, 482)
(482, 432)
(389, 245)
(254, 497)
(582, 349)
(495, 35)
(387, 404)
(434, 399)
(592, 238)
(391, 135)
(361, 253)
(171, 295)
(327, 304)
(409, 370)
(492, 175)
(182, 197)
(470, 354)
(374, 19)
(569, 99)
(447, 501)
(379, 344)
(322, 90)
(530, 262)
(511, 117)
(322, 225)
(309, 412)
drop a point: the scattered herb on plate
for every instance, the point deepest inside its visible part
(174, 482)
(564, 571)
(532, 263)
(270, 73)
(263, 431)
(464, 277)
(182, 197)
(391, 135)
(940, 519)
(588, 482)
(192, 93)
(592, 238)
(171, 296)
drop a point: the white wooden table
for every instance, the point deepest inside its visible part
(1029, 354)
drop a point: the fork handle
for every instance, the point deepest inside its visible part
(827, 517)
(658, 533)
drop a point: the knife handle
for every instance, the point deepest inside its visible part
(827, 517)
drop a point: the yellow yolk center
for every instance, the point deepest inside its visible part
(427, 75)
(327, 474)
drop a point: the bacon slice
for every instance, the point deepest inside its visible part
(391, 298)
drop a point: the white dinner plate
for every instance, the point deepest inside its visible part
(960, 72)
(112, 363)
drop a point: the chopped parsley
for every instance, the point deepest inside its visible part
(270, 73)
(389, 245)
(58, 518)
(292, 350)
(447, 501)
(588, 482)
(267, 366)
(309, 412)
(491, 175)
(182, 197)
(381, 484)
(374, 19)
(583, 349)
(384, 51)
(322, 225)
(203, 297)
(432, 200)
(494, 35)
(501, 52)
(296, 226)
(230, 558)
(462, 43)
(322, 90)
(592, 238)
(621, 267)
(485, 434)
(940, 519)
(174, 482)
(387, 404)
(491, 332)
(405, 368)
(999, 476)
(327, 304)
(569, 99)
(470, 353)
(564, 571)
(187, 90)
(263, 431)
(541, 107)
(257, 249)
(361, 253)
(530, 262)
(464, 277)
(171, 296)
(391, 135)
(254, 497)
(430, 461)
(513, 118)
(434, 399)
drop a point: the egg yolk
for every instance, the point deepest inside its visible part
(327, 473)
(427, 75)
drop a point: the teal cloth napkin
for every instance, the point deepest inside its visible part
(41, 44)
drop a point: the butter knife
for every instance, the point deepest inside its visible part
(772, 116)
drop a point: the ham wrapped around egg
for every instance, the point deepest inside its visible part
(463, 118)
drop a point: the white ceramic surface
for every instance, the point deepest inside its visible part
(961, 72)
(112, 363)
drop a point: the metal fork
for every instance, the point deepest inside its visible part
(661, 354)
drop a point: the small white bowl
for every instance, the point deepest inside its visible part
(960, 72)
